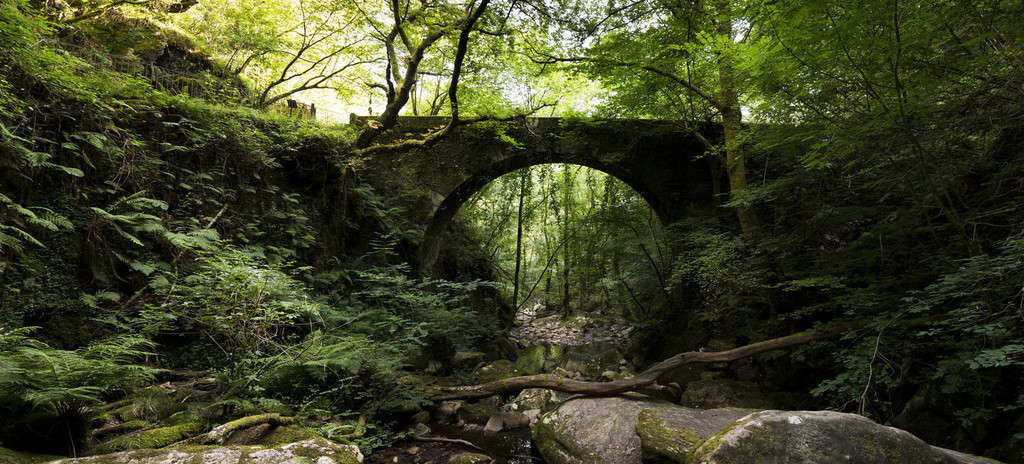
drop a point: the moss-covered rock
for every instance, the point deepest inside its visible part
(152, 438)
(319, 451)
(470, 458)
(593, 430)
(670, 434)
(18, 457)
(715, 391)
(500, 369)
(819, 437)
(534, 398)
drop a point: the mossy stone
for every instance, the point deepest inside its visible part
(470, 458)
(152, 438)
(19, 457)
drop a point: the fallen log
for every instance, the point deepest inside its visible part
(644, 382)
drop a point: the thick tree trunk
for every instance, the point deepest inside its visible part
(732, 119)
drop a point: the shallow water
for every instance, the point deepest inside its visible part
(512, 446)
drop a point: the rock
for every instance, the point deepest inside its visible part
(515, 420)
(470, 458)
(421, 417)
(819, 437)
(713, 391)
(494, 423)
(500, 369)
(591, 359)
(540, 358)
(535, 398)
(318, 451)
(480, 412)
(420, 429)
(499, 347)
(533, 415)
(448, 409)
(632, 429)
(564, 373)
(467, 360)
(669, 435)
(593, 430)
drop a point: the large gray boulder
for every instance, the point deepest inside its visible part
(592, 430)
(634, 429)
(316, 451)
(671, 434)
(604, 430)
(819, 437)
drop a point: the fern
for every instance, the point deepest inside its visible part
(62, 381)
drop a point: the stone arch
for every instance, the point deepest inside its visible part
(437, 227)
(655, 158)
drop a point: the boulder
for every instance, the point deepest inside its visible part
(534, 398)
(538, 359)
(670, 434)
(633, 429)
(716, 391)
(318, 451)
(591, 359)
(500, 369)
(470, 458)
(819, 437)
(593, 430)
(480, 412)
(467, 360)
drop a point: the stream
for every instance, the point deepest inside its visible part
(509, 445)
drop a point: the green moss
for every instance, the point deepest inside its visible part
(470, 458)
(660, 442)
(711, 443)
(284, 435)
(18, 457)
(151, 439)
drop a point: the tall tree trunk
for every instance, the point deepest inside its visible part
(732, 119)
(519, 238)
(568, 184)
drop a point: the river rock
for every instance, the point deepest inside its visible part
(500, 369)
(591, 359)
(670, 434)
(593, 430)
(820, 437)
(715, 391)
(534, 398)
(538, 359)
(318, 451)
(467, 360)
(495, 423)
(470, 458)
(632, 429)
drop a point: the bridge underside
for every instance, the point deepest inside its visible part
(662, 163)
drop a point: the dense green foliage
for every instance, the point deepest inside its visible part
(150, 220)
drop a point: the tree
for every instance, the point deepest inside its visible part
(913, 91)
(675, 58)
(285, 49)
(407, 22)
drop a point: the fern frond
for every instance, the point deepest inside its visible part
(13, 241)
(75, 172)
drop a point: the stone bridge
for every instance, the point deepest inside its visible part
(655, 158)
